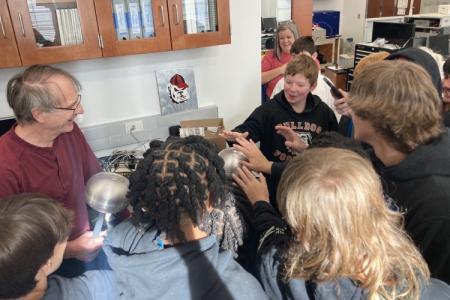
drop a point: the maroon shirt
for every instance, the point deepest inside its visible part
(60, 172)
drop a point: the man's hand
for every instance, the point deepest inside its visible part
(231, 136)
(342, 106)
(255, 188)
(256, 160)
(293, 141)
(84, 248)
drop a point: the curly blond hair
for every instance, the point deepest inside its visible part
(333, 201)
(399, 100)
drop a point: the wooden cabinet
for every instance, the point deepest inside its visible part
(388, 8)
(113, 46)
(9, 54)
(338, 77)
(218, 31)
(29, 35)
(302, 11)
(50, 31)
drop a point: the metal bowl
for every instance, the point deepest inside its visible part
(106, 192)
(232, 157)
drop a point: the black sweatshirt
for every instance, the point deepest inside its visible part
(260, 125)
(421, 186)
(316, 118)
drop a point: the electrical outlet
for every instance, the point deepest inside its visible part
(134, 126)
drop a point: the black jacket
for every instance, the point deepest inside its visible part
(273, 235)
(421, 186)
(316, 117)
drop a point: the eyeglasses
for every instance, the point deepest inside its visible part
(74, 107)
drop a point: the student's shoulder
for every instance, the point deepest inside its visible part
(98, 284)
(436, 290)
(242, 284)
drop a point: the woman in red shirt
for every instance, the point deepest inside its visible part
(274, 63)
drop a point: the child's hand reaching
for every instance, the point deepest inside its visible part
(232, 135)
(255, 188)
(293, 141)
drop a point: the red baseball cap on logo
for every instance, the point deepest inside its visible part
(178, 81)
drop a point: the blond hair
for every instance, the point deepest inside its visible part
(305, 65)
(368, 60)
(400, 102)
(282, 26)
(332, 199)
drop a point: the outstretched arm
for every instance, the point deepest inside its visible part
(293, 141)
(84, 248)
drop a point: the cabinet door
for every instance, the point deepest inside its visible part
(133, 26)
(199, 23)
(9, 54)
(50, 31)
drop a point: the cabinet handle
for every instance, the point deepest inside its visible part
(161, 10)
(177, 17)
(21, 24)
(3, 27)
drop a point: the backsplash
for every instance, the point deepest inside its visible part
(113, 135)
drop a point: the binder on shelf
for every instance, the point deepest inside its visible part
(63, 29)
(202, 15)
(60, 27)
(43, 25)
(212, 7)
(148, 29)
(120, 19)
(70, 31)
(189, 17)
(77, 22)
(134, 19)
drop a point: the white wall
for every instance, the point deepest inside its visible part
(328, 4)
(121, 88)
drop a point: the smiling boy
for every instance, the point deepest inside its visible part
(296, 108)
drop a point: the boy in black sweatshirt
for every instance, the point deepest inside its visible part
(294, 107)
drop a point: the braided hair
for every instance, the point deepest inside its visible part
(175, 180)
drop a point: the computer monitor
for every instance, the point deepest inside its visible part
(439, 44)
(401, 34)
(269, 24)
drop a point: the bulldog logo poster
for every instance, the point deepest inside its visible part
(177, 92)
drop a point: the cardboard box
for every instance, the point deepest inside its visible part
(209, 128)
(444, 9)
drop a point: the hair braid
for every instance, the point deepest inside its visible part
(175, 179)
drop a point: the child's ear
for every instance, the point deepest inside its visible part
(313, 86)
(314, 55)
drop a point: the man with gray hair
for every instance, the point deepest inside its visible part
(46, 152)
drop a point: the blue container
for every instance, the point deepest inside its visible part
(327, 19)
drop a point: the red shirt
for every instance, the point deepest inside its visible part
(270, 62)
(60, 171)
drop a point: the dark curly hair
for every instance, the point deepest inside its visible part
(174, 180)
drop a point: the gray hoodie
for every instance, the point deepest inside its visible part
(194, 270)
